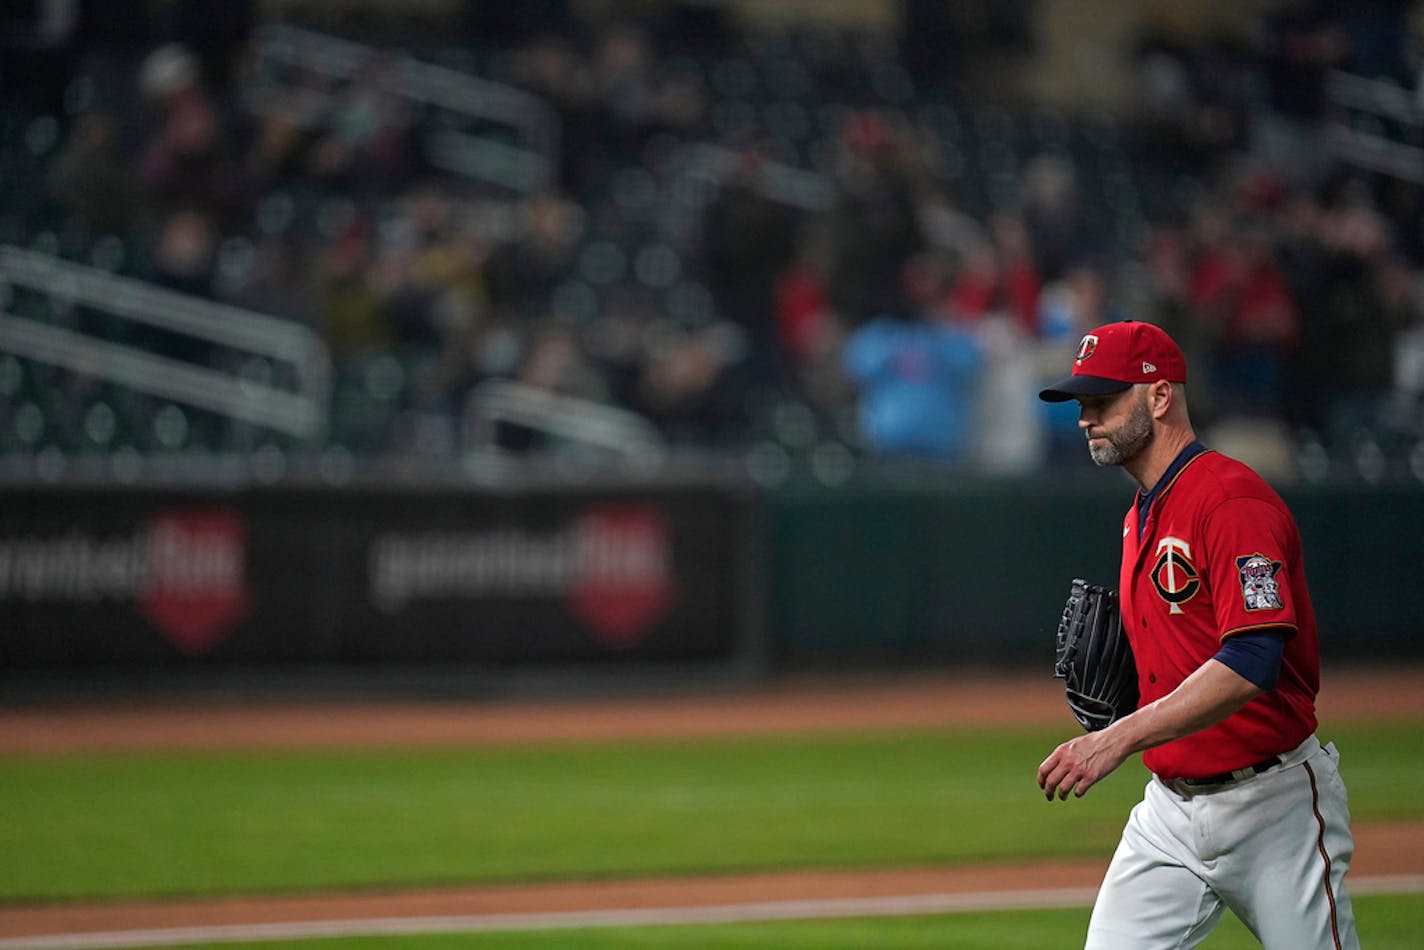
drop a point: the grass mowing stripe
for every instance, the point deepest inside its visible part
(156, 824)
(213, 822)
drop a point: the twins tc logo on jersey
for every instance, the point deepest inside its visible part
(1174, 575)
(1087, 347)
(1258, 582)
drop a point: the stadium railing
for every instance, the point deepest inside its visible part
(300, 410)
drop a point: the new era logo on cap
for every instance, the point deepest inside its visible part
(1115, 356)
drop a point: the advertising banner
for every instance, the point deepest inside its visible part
(105, 577)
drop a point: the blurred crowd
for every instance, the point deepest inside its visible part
(900, 315)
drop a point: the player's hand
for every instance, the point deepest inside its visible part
(1078, 764)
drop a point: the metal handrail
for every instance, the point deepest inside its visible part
(1378, 96)
(159, 306)
(620, 431)
(711, 165)
(1379, 99)
(302, 413)
(1377, 153)
(160, 376)
(406, 77)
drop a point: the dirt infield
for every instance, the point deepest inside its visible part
(783, 707)
(787, 706)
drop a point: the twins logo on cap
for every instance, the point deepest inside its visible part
(1087, 347)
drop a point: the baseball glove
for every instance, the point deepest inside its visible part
(1093, 657)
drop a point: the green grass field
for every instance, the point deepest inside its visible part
(85, 826)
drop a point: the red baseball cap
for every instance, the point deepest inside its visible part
(1115, 356)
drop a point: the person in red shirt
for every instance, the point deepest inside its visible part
(1245, 808)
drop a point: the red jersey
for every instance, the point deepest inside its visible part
(1219, 555)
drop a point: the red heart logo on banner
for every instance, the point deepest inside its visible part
(195, 590)
(623, 582)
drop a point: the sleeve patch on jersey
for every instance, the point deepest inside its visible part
(1258, 582)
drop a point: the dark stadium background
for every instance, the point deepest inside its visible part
(670, 338)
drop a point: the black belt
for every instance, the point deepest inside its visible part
(1191, 786)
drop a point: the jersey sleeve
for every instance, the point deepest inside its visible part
(1251, 543)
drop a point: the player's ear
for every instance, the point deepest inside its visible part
(1161, 396)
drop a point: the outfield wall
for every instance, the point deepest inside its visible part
(706, 576)
(980, 570)
(370, 579)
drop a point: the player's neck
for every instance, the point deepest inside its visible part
(1152, 462)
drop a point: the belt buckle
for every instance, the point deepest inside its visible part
(1188, 788)
(1178, 785)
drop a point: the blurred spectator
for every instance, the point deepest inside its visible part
(183, 257)
(679, 105)
(873, 222)
(550, 68)
(417, 268)
(281, 147)
(1068, 308)
(279, 279)
(693, 383)
(1308, 269)
(90, 174)
(1363, 327)
(555, 362)
(918, 384)
(1020, 279)
(625, 81)
(1366, 306)
(812, 335)
(184, 254)
(1192, 104)
(1080, 300)
(461, 331)
(1239, 290)
(803, 306)
(521, 272)
(1298, 42)
(998, 274)
(364, 143)
(352, 315)
(1294, 278)
(1169, 305)
(918, 378)
(975, 289)
(1009, 428)
(190, 159)
(944, 224)
(747, 241)
(1053, 214)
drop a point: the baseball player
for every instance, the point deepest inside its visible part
(1245, 808)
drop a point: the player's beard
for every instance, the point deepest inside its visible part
(1123, 444)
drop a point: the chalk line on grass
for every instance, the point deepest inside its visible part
(813, 909)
